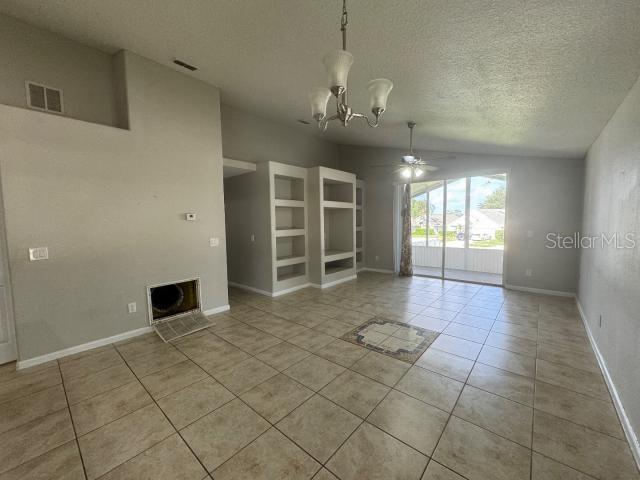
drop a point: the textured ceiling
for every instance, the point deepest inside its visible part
(526, 77)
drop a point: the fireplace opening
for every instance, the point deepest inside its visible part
(172, 299)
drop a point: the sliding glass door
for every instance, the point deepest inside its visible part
(458, 228)
(427, 216)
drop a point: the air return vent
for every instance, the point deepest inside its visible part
(44, 98)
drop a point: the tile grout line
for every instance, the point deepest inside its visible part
(435, 448)
(166, 417)
(73, 425)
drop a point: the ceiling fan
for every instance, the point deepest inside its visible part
(414, 166)
(411, 166)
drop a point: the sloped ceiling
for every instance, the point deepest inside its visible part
(524, 77)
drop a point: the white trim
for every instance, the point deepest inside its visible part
(249, 289)
(632, 438)
(81, 348)
(239, 164)
(213, 311)
(335, 282)
(557, 293)
(376, 270)
(269, 294)
(290, 290)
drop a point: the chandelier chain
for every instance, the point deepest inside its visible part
(344, 21)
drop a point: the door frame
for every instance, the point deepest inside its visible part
(12, 353)
(397, 218)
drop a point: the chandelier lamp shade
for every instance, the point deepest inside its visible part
(338, 63)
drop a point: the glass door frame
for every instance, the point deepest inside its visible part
(398, 220)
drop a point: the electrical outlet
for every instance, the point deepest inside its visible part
(214, 241)
(528, 272)
(253, 237)
(132, 307)
(600, 321)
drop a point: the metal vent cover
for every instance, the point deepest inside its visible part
(42, 97)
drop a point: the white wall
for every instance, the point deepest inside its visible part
(84, 74)
(110, 203)
(544, 195)
(609, 277)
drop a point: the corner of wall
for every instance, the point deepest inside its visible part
(121, 97)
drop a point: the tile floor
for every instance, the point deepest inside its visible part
(510, 389)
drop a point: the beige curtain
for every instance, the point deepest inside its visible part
(406, 265)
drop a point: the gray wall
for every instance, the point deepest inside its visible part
(610, 277)
(248, 212)
(248, 137)
(84, 74)
(544, 195)
(110, 204)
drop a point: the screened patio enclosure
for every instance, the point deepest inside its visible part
(458, 228)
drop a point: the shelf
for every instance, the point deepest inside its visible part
(288, 188)
(280, 202)
(287, 272)
(338, 266)
(333, 255)
(290, 232)
(329, 204)
(290, 260)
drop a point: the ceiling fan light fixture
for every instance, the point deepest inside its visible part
(418, 172)
(406, 172)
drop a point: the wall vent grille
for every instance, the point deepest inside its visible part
(42, 97)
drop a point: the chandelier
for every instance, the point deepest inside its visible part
(338, 64)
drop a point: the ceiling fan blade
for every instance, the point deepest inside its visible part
(429, 168)
(395, 165)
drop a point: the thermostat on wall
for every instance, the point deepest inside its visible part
(191, 217)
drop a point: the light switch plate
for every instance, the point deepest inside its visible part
(132, 307)
(38, 253)
(214, 241)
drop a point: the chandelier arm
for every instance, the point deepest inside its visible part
(324, 122)
(366, 118)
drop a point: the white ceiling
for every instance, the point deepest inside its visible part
(526, 77)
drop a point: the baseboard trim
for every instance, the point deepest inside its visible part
(81, 348)
(557, 293)
(290, 290)
(213, 311)
(249, 289)
(334, 283)
(376, 270)
(632, 438)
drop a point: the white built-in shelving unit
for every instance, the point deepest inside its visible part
(332, 226)
(289, 239)
(360, 227)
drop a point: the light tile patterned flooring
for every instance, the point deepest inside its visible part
(509, 390)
